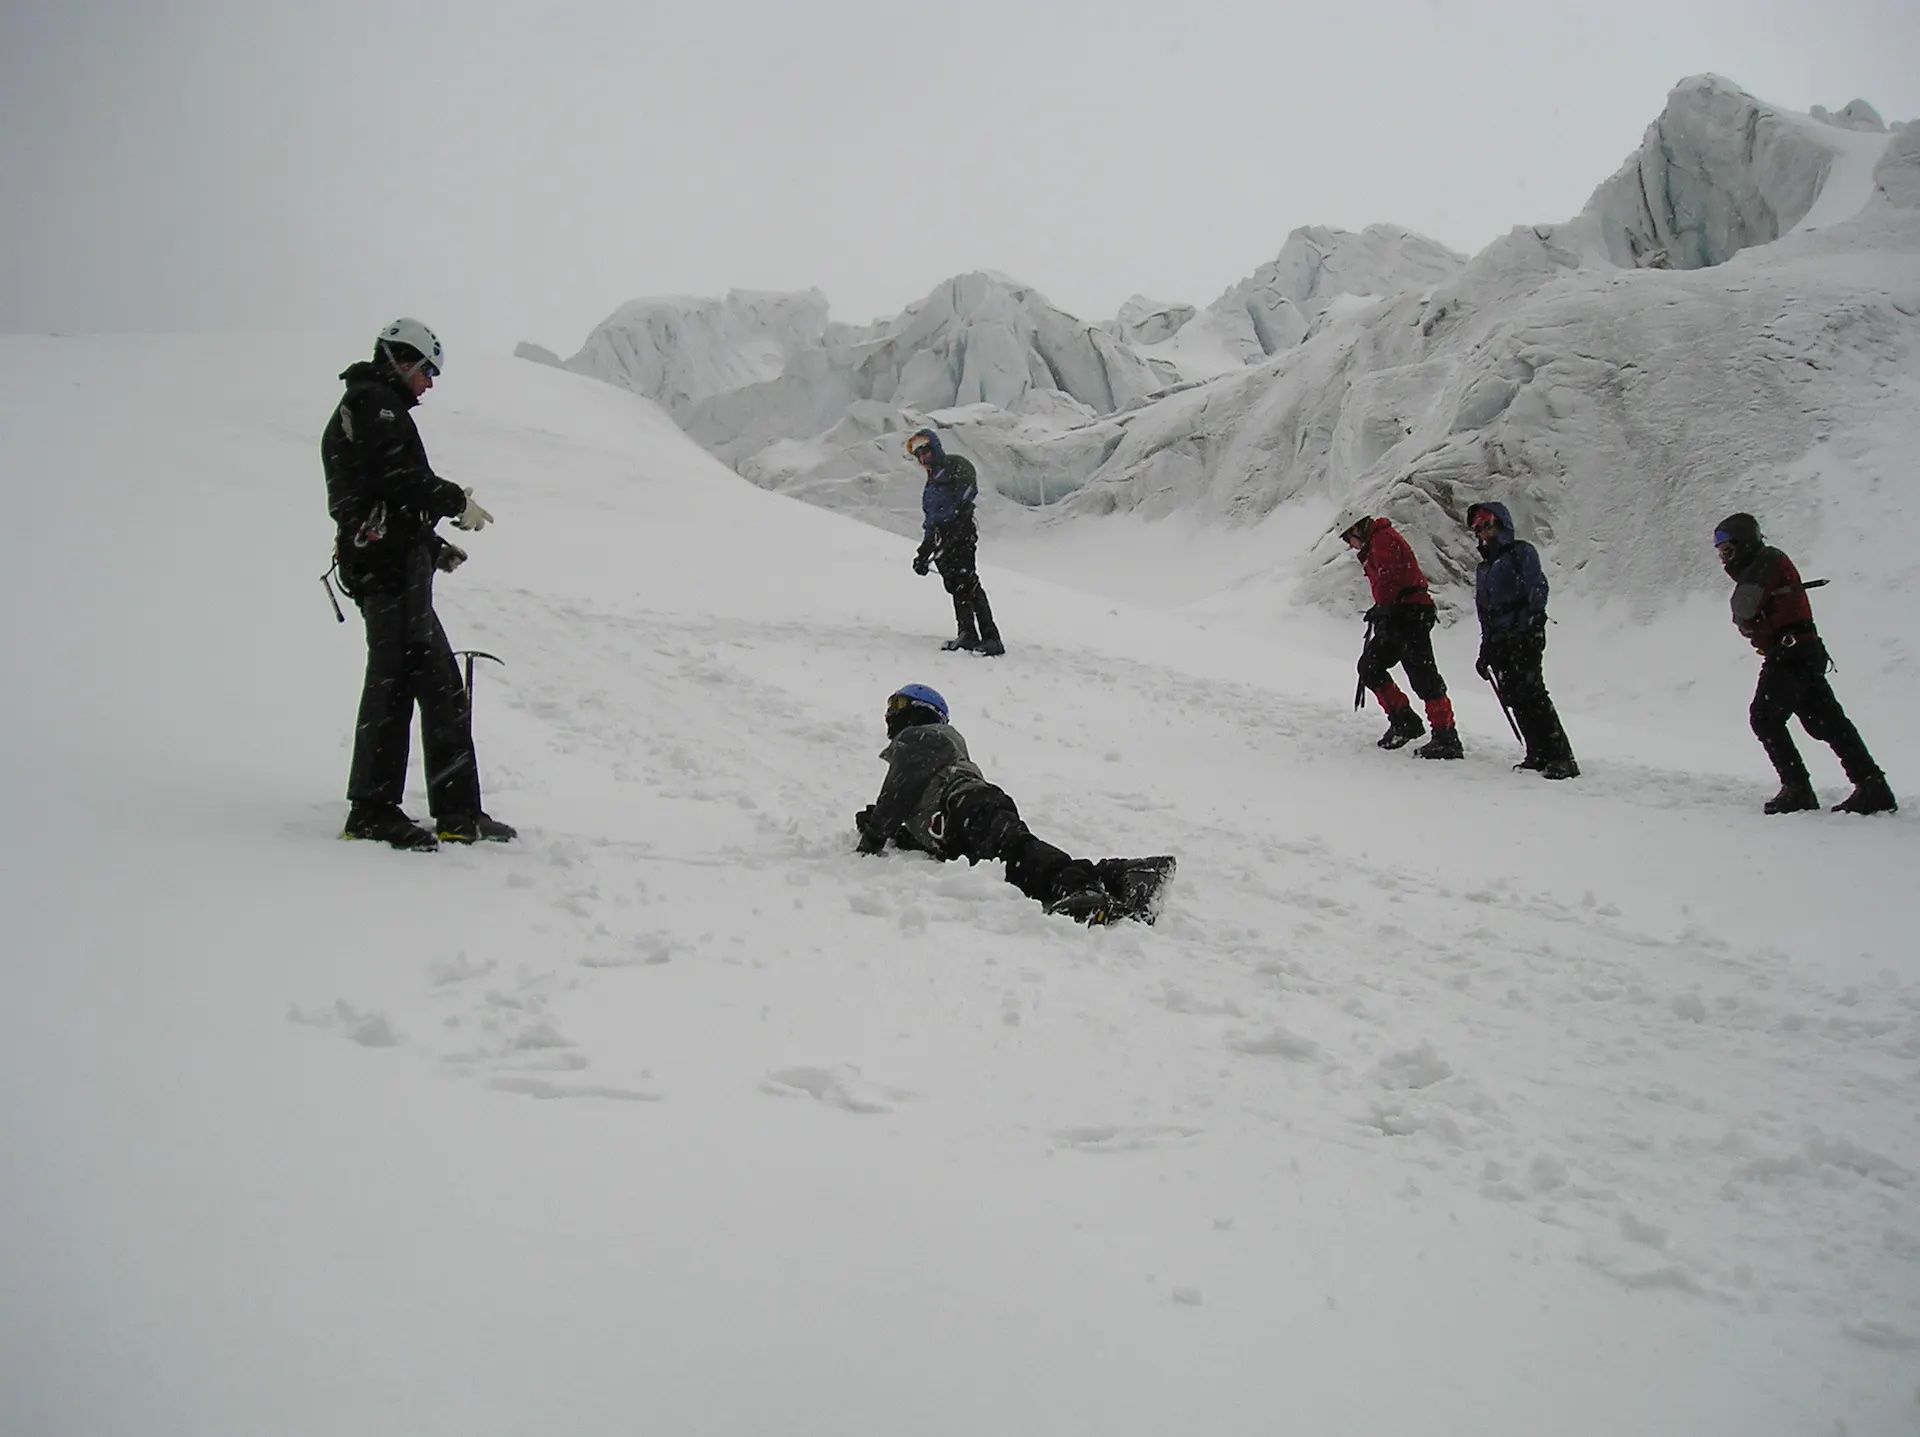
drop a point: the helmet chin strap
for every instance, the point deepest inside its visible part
(407, 372)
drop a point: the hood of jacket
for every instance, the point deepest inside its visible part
(1502, 535)
(939, 451)
(1744, 531)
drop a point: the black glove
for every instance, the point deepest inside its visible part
(921, 563)
(871, 839)
(450, 557)
(1483, 665)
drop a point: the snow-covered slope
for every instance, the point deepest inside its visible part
(681, 351)
(1621, 411)
(751, 369)
(1733, 321)
(1279, 302)
(1440, 1101)
(1717, 173)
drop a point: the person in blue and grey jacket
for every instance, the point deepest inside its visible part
(950, 539)
(1510, 593)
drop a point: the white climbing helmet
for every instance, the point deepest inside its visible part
(1350, 516)
(417, 337)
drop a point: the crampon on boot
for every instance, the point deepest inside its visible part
(1445, 743)
(1138, 885)
(962, 642)
(1793, 797)
(1092, 906)
(385, 823)
(1560, 768)
(1403, 727)
(473, 828)
(1870, 795)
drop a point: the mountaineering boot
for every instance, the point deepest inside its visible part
(1403, 727)
(991, 648)
(1530, 764)
(385, 823)
(1870, 795)
(474, 827)
(1138, 885)
(963, 642)
(1445, 743)
(1092, 906)
(1560, 768)
(1795, 796)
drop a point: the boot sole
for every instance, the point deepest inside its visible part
(401, 847)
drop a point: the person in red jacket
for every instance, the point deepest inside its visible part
(1770, 608)
(1400, 631)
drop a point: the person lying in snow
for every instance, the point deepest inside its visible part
(936, 800)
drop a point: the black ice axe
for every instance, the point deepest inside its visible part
(1360, 685)
(1501, 699)
(470, 655)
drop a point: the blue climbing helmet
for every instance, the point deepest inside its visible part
(912, 704)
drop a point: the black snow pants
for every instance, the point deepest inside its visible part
(1516, 662)
(409, 661)
(954, 547)
(1793, 684)
(1402, 634)
(989, 826)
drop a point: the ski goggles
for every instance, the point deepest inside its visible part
(919, 446)
(900, 703)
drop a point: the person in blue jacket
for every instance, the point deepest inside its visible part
(1510, 593)
(949, 540)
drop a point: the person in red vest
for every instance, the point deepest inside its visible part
(1770, 608)
(1400, 632)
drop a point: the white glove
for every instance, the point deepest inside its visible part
(451, 557)
(473, 517)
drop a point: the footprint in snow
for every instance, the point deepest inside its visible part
(1109, 1139)
(840, 1087)
(542, 1088)
(369, 1030)
(1277, 1043)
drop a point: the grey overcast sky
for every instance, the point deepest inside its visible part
(515, 171)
